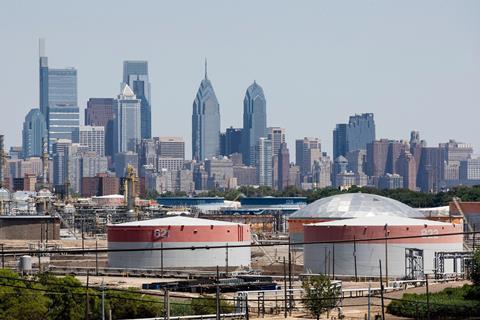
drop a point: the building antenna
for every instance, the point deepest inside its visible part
(41, 47)
(205, 67)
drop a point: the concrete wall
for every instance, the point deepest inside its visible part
(29, 228)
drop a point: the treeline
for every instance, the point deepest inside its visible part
(50, 297)
(412, 198)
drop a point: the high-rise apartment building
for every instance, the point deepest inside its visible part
(322, 172)
(205, 122)
(355, 135)
(61, 150)
(231, 141)
(127, 121)
(254, 121)
(407, 168)
(277, 136)
(33, 133)
(307, 151)
(263, 162)
(382, 156)
(135, 74)
(171, 147)
(283, 166)
(94, 138)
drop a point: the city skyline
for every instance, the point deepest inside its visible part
(324, 100)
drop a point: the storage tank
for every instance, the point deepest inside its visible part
(326, 257)
(25, 264)
(174, 232)
(346, 206)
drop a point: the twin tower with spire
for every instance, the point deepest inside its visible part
(206, 122)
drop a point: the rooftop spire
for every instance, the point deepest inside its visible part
(205, 68)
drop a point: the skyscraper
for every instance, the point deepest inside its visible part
(43, 79)
(307, 151)
(283, 166)
(277, 136)
(205, 122)
(94, 138)
(34, 131)
(171, 147)
(254, 121)
(355, 135)
(99, 111)
(231, 141)
(263, 162)
(135, 74)
(63, 112)
(127, 121)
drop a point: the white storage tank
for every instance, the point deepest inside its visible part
(25, 264)
(320, 257)
(174, 232)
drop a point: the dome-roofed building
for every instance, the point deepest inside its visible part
(347, 206)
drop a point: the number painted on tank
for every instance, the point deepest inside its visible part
(429, 232)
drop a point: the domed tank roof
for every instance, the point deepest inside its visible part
(355, 205)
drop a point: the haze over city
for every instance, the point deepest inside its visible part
(413, 64)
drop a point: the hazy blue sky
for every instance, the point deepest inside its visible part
(415, 64)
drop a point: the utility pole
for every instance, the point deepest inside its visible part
(369, 299)
(161, 258)
(428, 297)
(386, 256)
(96, 255)
(226, 260)
(381, 290)
(290, 277)
(333, 260)
(87, 307)
(285, 285)
(166, 304)
(83, 238)
(217, 295)
(3, 256)
(355, 258)
(103, 301)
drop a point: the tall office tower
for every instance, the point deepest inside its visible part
(122, 160)
(205, 122)
(148, 151)
(355, 135)
(340, 165)
(277, 136)
(127, 121)
(377, 157)
(263, 162)
(283, 166)
(99, 111)
(307, 150)
(232, 141)
(43, 79)
(430, 169)
(407, 168)
(171, 147)
(61, 153)
(322, 172)
(220, 173)
(34, 131)
(356, 160)
(135, 74)
(94, 138)
(254, 121)
(470, 171)
(453, 152)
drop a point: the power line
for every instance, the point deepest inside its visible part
(233, 246)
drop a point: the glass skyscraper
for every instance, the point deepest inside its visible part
(34, 130)
(205, 122)
(127, 121)
(353, 136)
(254, 121)
(135, 74)
(58, 100)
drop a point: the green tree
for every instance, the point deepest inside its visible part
(319, 295)
(475, 275)
(133, 304)
(208, 305)
(19, 299)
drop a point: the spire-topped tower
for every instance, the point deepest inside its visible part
(205, 122)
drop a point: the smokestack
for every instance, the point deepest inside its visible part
(45, 161)
(2, 160)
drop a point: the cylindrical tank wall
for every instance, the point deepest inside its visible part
(339, 258)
